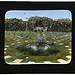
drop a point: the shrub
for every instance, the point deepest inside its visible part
(26, 50)
(21, 48)
(39, 52)
(29, 51)
(50, 43)
(46, 53)
(53, 50)
(40, 39)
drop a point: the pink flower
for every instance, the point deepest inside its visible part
(40, 39)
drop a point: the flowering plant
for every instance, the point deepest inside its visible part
(40, 39)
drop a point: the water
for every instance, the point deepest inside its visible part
(35, 47)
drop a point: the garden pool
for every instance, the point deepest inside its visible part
(35, 47)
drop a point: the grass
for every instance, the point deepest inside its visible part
(12, 37)
(52, 58)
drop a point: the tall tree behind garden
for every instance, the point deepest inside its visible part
(15, 25)
(59, 25)
(41, 22)
(62, 25)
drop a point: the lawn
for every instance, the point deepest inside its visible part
(14, 39)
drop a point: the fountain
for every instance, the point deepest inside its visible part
(40, 43)
(36, 47)
(39, 48)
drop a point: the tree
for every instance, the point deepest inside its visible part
(62, 25)
(14, 24)
(59, 25)
(40, 21)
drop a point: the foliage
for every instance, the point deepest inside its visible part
(39, 52)
(62, 25)
(26, 50)
(11, 37)
(15, 25)
(53, 50)
(40, 21)
(59, 25)
(40, 40)
(50, 43)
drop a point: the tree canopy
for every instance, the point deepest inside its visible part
(14, 24)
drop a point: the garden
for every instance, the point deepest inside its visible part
(24, 45)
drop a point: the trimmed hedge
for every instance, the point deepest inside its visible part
(39, 52)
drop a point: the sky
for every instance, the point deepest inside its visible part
(24, 14)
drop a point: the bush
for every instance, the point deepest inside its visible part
(26, 50)
(39, 52)
(53, 50)
(50, 43)
(21, 48)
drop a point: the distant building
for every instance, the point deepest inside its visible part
(40, 29)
